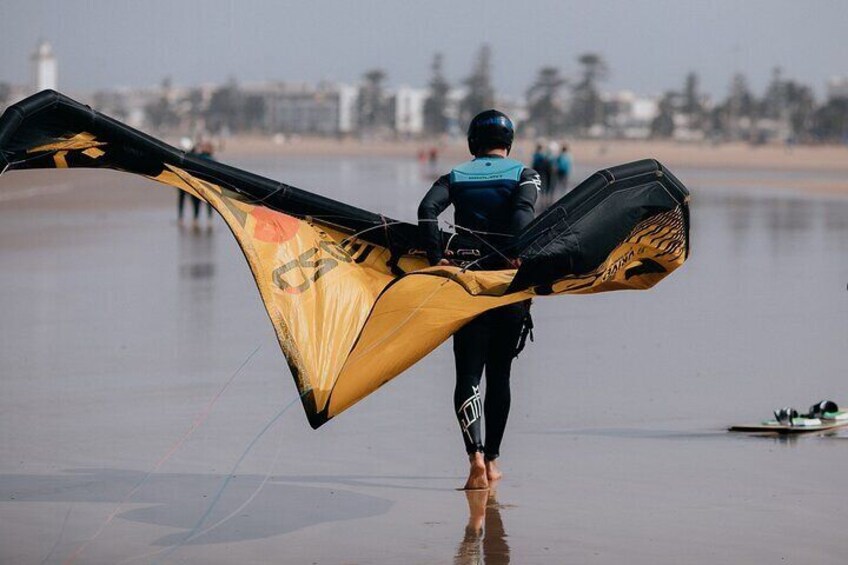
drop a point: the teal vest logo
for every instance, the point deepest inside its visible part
(484, 170)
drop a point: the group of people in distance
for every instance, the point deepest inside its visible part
(205, 150)
(553, 163)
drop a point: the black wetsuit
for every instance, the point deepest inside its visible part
(494, 205)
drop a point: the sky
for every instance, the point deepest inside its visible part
(649, 45)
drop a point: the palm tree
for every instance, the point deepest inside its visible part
(544, 102)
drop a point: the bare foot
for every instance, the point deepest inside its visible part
(477, 474)
(492, 471)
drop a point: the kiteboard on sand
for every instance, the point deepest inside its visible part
(821, 417)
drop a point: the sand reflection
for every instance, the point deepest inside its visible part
(484, 540)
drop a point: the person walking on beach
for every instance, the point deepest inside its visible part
(182, 196)
(204, 150)
(493, 198)
(563, 167)
(543, 162)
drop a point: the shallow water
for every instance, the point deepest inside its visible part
(119, 329)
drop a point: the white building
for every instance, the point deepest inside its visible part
(632, 114)
(837, 87)
(44, 68)
(409, 110)
(348, 96)
(298, 108)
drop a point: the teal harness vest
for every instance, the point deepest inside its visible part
(482, 192)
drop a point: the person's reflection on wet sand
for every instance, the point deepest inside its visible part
(484, 540)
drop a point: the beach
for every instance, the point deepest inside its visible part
(824, 166)
(148, 415)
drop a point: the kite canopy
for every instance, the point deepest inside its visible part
(351, 297)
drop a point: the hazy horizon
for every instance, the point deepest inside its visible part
(649, 50)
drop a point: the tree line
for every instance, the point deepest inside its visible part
(555, 105)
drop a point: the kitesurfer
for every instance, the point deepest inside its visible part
(563, 167)
(493, 199)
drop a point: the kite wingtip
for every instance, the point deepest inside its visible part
(317, 419)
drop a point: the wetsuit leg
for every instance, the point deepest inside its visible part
(195, 202)
(505, 325)
(469, 349)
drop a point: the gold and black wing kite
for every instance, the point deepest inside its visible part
(352, 300)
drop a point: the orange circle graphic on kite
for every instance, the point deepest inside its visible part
(273, 227)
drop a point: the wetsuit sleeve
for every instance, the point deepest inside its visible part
(433, 204)
(524, 201)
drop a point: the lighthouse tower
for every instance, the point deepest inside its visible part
(44, 69)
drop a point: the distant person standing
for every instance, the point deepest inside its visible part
(563, 167)
(203, 150)
(433, 162)
(182, 196)
(433, 156)
(542, 164)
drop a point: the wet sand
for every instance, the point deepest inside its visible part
(830, 162)
(119, 329)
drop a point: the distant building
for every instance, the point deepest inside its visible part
(513, 106)
(44, 68)
(328, 109)
(629, 115)
(454, 101)
(409, 110)
(347, 107)
(837, 87)
(125, 104)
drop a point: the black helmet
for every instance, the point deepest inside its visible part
(489, 130)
